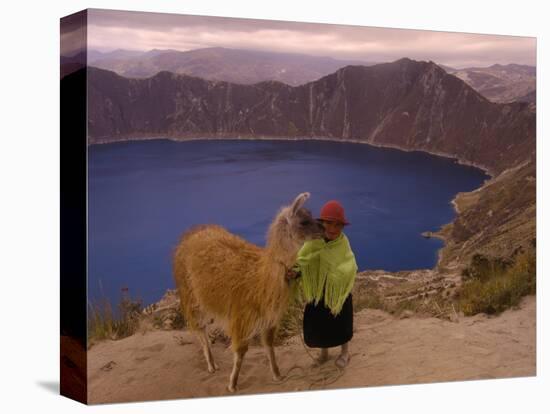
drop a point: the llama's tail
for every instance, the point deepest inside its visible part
(188, 303)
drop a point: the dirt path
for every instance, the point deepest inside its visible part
(385, 351)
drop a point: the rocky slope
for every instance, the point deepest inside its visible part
(501, 215)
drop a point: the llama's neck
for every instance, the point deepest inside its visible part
(278, 256)
(281, 248)
(285, 258)
(276, 260)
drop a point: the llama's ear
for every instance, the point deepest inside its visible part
(299, 202)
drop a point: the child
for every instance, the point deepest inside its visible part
(327, 268)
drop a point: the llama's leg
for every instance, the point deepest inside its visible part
(191, 312)
(268, 337)
(205, 344)
(239, 350)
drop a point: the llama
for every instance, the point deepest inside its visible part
(241, 286)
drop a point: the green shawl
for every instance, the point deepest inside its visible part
(328, 269)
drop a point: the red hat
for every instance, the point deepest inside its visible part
(334, 211)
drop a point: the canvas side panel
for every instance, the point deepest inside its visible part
(73, 201)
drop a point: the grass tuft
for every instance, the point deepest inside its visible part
(103, 324)
(494, 285)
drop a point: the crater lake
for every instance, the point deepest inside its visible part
(144, 194)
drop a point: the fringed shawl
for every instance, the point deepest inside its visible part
(328, 269)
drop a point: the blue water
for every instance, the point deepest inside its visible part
(144, 194)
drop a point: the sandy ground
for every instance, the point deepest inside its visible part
(385, 351)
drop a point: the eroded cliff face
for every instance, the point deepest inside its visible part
(408, 104)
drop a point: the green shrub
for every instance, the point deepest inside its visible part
(179, 321)
(494, 285)
(483, 268)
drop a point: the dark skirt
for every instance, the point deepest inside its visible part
(324, 330)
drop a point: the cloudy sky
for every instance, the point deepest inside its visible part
(109, 30)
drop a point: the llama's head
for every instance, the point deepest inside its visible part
(301, 224)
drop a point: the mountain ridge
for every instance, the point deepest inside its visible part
(409, 104)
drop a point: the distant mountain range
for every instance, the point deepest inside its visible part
(95, 55)
(221, 64)
(501, 83)
(498, 83)
(409, 104)
(70, 64)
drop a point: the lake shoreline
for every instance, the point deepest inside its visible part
(182, 138)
